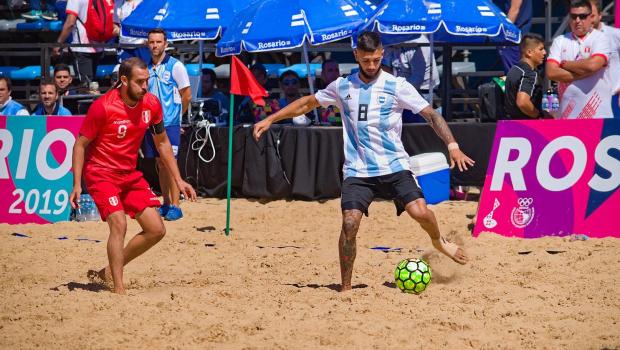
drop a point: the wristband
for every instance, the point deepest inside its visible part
(452, 146)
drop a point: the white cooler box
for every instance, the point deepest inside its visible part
(433, 174)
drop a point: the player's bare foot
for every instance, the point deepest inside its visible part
(120, 291)
(451, 250)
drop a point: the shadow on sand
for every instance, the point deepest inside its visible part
(90, 287)
(333, 286)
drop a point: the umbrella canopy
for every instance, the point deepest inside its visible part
(182, 20)
(448, 21)
(270, 25)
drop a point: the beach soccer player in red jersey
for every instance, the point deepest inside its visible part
(106, 153)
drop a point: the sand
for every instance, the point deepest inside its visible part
(273, 285)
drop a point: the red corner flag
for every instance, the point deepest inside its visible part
(242, 82)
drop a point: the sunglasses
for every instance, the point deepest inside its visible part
(581, 16)
(289, 82)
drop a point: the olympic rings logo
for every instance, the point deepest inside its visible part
(525, 202)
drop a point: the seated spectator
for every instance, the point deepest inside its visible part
(48, 95)
(209, 90)
(329, 72)
(7, 105)
(524, 82)
(36, 13)
(290, 84)
(578, 61)
(63, 79)
(250, 112)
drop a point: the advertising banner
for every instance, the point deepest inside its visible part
(553, 178)
(35, 168)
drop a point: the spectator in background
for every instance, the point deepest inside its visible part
(209, 90)
(122, 10)
(414, 64)
(168, 80)
(578, 61)
(63, 79)
(290, 84)
(48, 95)
(519, 12)
(7, 105)
(329, 72)
(85, 59)
(250, 112)
(36, 13)
(524, 81)
(613, 73)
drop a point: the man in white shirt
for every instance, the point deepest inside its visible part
(376, 163)
(614, 60)
(578, 61)
(85, 59)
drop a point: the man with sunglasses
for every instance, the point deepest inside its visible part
(578, 61)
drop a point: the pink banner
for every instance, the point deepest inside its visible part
(553, 178)
(617, 16)
(35, 168)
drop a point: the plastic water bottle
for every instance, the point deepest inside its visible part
(545, 105)
(555, 103)
(79, 213)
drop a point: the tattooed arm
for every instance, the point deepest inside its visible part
(438, 124)
(443, 131)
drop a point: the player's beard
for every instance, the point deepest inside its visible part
(136, 96)
(367, 76)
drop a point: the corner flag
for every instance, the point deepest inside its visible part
(243, 82)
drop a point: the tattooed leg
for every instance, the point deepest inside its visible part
(346, 245)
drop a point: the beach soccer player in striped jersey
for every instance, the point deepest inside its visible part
(106, 152)
(376, 163)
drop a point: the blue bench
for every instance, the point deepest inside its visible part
(5, 71)
(26, 73)
(40, 25)
(300, 69)
(104, 70)
(193, 68)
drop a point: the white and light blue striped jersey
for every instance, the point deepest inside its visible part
(372, 122)
(165, 81)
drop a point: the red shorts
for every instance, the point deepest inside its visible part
(114, 191)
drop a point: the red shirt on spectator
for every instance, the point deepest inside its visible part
(116, 130)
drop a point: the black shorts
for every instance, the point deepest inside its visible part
(358, 192)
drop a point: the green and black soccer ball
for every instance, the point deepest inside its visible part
(412, 275)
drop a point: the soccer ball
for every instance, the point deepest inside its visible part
(412, 275)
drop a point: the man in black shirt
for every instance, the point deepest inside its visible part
(523, 81)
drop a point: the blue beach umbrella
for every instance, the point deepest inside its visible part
(445, 21)
(182, 20)
(271, 25)
(451, 21)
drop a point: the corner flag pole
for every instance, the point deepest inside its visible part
(230, 152)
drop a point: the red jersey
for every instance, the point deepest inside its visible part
(117, 130)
